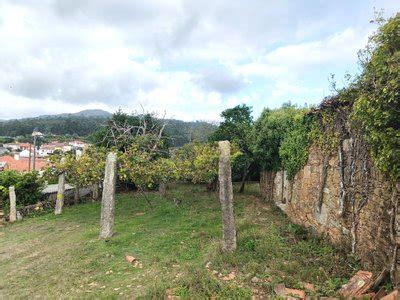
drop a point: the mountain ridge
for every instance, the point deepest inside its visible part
(88, 113)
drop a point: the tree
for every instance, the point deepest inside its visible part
(84, 170)
(198, 162)
(146, 165)
(269, 132)
(236, 127)
(122, 129)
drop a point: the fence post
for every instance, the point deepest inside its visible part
(108, 197)
(226, 197)
(60, 192)
(13, 204)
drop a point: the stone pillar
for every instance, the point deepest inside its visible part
(226, 197)
(108, 197)
(13, 204)
(60, 192)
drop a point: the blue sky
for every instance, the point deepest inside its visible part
(184, 59)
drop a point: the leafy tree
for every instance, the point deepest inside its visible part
(198, 162)
(28, 187)
(143, 165)
(236, 127)
(84, 170)
(269, 132)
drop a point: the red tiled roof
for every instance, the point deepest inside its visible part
(22, 164)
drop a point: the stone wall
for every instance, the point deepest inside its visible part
(299, 199)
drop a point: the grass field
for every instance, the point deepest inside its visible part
(51, 256)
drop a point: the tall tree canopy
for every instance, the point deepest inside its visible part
(236, 127)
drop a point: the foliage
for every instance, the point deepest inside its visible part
(269, 132)
(121, 128)
(180, 132)
(28, 187)
(83, 170)
(59, 125)
(144, 165)
(70, 127)
(378, 105)
(236, 128)
(294, 150)
(6, 139)
(198, 162)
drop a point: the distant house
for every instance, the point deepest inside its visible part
(20, 164)
(24, 153)
(78, 145)
(17, 146)
(3, 150)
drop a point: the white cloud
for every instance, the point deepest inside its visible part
(189, 58)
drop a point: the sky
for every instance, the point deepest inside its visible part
(182, 59)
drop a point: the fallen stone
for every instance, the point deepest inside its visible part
(309, 287)
(380, 294)
(283, 291)
(395, 295)
(230, 276)
(255, 279)
(358, 285)
(130, 259)
(365, 296)
(296, 293)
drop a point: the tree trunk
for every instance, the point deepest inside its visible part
(244, 178)
(212, 186)
(76, 195)
(60, 194)
(226, 197)
(108, 197)
(267, 184)
(95, 192)
(13, 204)
(162, 188)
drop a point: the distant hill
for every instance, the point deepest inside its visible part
(84, 123)
(84, 113)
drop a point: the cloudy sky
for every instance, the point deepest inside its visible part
(190, 59)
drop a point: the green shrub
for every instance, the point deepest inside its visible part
(295, 146)
(378, 106)
(28, 187)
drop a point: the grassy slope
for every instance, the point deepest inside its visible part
(62, 256)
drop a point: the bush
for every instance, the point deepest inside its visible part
(28, 187)
(377, 108)
(295, 146)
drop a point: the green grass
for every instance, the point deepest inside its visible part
(61, 256)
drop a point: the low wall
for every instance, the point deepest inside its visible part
(363, 223)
